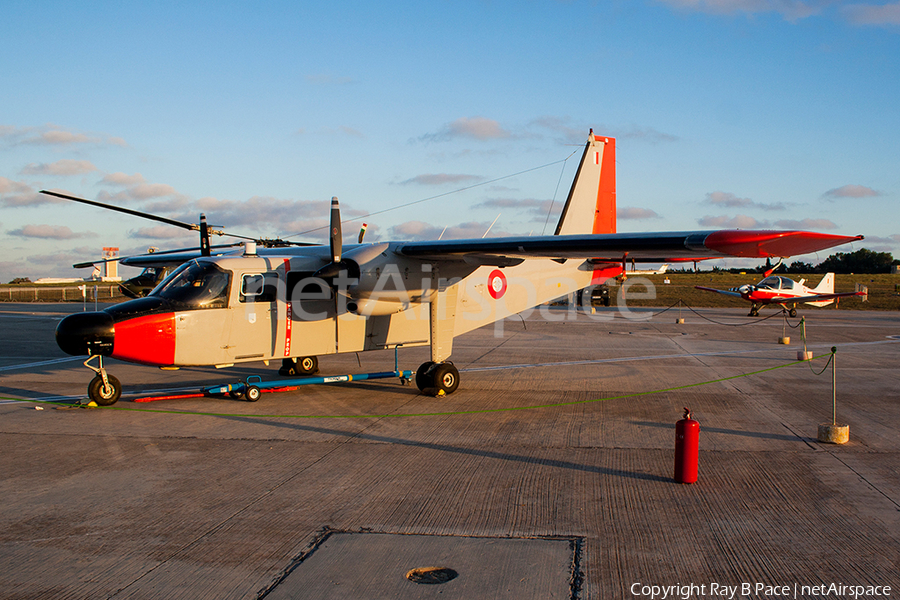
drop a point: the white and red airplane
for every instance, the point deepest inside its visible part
(775, 289)
(296, 303)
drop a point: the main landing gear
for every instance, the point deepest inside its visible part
(104, 389)
(305, 365)
(437, 378)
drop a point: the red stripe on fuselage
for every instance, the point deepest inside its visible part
(149, 340)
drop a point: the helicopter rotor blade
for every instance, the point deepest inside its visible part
(127, 211)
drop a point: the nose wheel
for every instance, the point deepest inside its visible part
(104, 393)
(104, 389)
(437, 379)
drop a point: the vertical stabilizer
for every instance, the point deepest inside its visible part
(826, 286)
(591, 205)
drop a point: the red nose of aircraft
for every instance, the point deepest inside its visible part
(86, 333)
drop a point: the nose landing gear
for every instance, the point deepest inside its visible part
(104, 389)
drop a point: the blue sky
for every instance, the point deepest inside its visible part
(727, 113)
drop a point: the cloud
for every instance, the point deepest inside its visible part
(873, 14)
(631, 212)
(736, 222)
(885, 244)
(805, 224)
(122, 179)
(561, 126)
(61, 167)
(139, 193)
(539, 211)
(54, 135)
(727, 199)
(17, 193)
(647, 134)
(419, 230)
(790, 10)
(49, 232)
(475, 128)
(851, 191)
(441, 179)
(159, 232)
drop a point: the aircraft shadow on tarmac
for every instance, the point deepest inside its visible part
(560, 464)
(753, 434)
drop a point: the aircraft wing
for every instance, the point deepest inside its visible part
(819, 297)
(650, 247)
(726, 292)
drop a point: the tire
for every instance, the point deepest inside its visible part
(792, 313)
(252, 393)
(446, 378)
(424, 381)
(102, 395)
(307, 365)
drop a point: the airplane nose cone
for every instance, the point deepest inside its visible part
(86, 333)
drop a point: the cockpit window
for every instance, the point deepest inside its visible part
(196, 285)
(772, 283)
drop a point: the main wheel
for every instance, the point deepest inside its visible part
(792, 313)
(446, 378)
(423, 378)
(104, 395)
(308, 365)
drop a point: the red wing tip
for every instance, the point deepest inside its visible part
(767, 243)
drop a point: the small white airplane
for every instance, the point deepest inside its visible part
(294, 304)
(775, 289)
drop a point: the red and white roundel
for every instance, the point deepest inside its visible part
(496, 284)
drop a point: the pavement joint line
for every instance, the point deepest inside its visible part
(445, 413)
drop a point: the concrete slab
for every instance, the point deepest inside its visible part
(377, 565)
(558, 431)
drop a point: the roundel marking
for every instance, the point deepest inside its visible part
(496, 284)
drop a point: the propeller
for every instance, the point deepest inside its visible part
(772, 270)
(330, 271)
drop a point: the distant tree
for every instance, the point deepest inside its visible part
(861, 261)
(801, 267)
(20, 280)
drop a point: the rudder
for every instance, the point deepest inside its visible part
(591, 205)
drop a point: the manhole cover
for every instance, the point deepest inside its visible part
(431, 575)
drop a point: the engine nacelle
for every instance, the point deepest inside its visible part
(372, 307)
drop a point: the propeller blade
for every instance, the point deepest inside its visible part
(336, 239)
(204, 236)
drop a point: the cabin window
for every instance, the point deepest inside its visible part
(196, 285)
(259, 287)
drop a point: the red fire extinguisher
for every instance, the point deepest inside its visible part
(687, 448)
